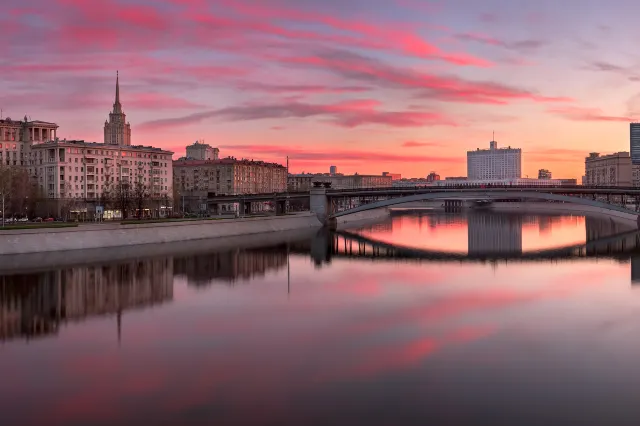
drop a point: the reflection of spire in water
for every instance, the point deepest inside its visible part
(119, 326)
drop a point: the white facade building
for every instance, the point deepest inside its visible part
(494, 163)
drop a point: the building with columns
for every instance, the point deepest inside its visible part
(17, 137)
(117, 131)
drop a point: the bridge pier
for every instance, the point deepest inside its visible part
(319, 204)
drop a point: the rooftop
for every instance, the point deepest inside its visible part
(228, 160)
(101, 145)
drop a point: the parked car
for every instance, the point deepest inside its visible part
(23, 219)
(49, 219)
(37, 219)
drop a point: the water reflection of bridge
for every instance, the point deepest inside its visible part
(344, 244)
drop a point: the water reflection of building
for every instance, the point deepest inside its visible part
(37, 304)
(230, 266)
(491, 233)
(445, 219)
(597, 228)
(635, 270)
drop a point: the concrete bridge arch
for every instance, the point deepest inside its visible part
(596, 206)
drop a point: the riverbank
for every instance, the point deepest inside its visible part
(98, 236)
(44, 261)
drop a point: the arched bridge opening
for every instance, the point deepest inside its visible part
(486, 195)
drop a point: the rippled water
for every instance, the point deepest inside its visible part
(336, 330)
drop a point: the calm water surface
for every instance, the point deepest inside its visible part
(327, 332)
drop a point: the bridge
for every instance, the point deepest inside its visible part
(330, 204)
(342, 244)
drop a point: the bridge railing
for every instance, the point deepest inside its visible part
(487, 186)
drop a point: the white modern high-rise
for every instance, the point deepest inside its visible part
(494, 163)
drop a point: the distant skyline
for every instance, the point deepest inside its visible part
(404, 86)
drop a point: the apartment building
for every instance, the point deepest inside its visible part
(85, 170)
(229, 176)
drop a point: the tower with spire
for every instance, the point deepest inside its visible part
(117, 131)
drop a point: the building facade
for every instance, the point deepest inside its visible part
(634, 143)
(333, 170)
(608, 170)
(202, 151)
(394, 176)
(304, 181)
(494, 163)
(544, 174)
(86, 170)
(229, 176)
(499, 182)
(17, 137)
(433, 177)
(117, 131)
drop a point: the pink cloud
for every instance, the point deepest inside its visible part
(586, 114)
(444, 88)
(348, 114)
(414, 144)
(372, 36)
(324, 155)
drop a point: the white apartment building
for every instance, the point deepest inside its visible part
(494, 163)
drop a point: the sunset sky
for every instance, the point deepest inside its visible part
(405, 86)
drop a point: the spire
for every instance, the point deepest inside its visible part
(117, 108)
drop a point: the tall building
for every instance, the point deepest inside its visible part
(117, 131)
(608, 170)
(202, 151)
(494, 163)
(634, 143)
(84, 171)
(544, 174)
(333, 170)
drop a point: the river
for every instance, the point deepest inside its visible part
(424, 318)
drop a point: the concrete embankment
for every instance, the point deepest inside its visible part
(95, 236)
(44, 261)
(629, 217)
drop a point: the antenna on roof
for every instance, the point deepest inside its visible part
(494, 136)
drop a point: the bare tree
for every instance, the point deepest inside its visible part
(15, 189)
(123, 198)
(140, 195)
